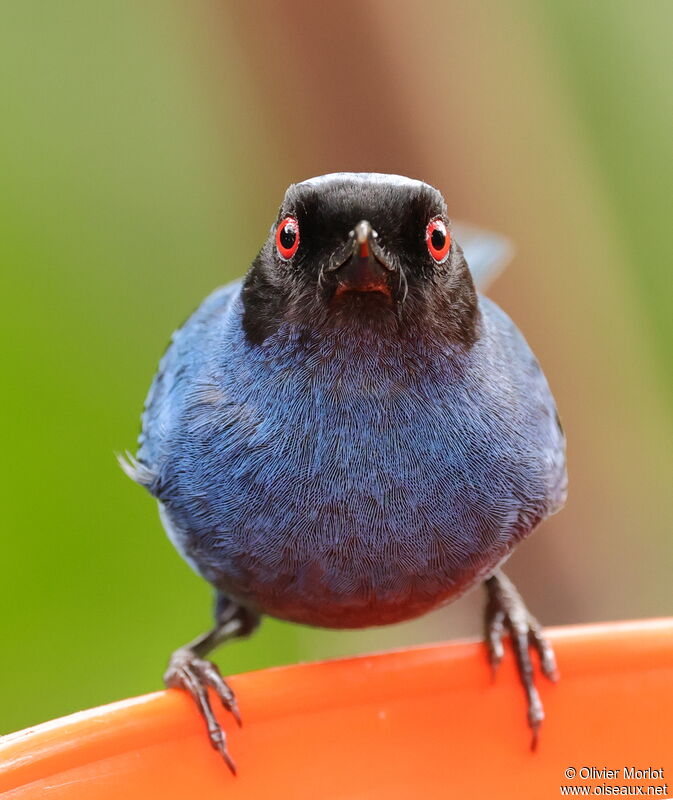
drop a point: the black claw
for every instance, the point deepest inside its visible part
(196, 676)
(495, 631)
(218, 741)
(236, 714)
(506, 609)
(224, 692)
(229, 761)
(544, 650)
(495, 657)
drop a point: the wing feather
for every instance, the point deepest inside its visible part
(486, 253)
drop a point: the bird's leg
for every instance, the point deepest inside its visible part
(506, 610)
(188, 670)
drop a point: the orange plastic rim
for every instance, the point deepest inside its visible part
(425, 722)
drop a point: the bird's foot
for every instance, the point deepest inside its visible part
(507, 611)
(196, 675)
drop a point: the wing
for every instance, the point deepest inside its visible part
(486, 253)
(164, 394)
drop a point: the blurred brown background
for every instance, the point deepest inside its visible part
(146, 149)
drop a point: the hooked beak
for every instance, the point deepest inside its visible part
(362, 233)
(363, 266)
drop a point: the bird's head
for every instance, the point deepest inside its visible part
(361, 249)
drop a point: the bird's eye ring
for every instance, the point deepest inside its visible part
(438, 239)
(287, 237)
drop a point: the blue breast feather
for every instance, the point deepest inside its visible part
(345, 480)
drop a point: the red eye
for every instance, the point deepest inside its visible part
(438, 239)
(287, 237)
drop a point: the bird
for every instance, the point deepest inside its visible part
(353, 435)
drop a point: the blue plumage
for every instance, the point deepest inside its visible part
(348, 480)
(358, 452)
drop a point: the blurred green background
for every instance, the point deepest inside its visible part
(144, 148)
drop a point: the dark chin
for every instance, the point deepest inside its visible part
(358, 310)
(362, 300)
(375, 307)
